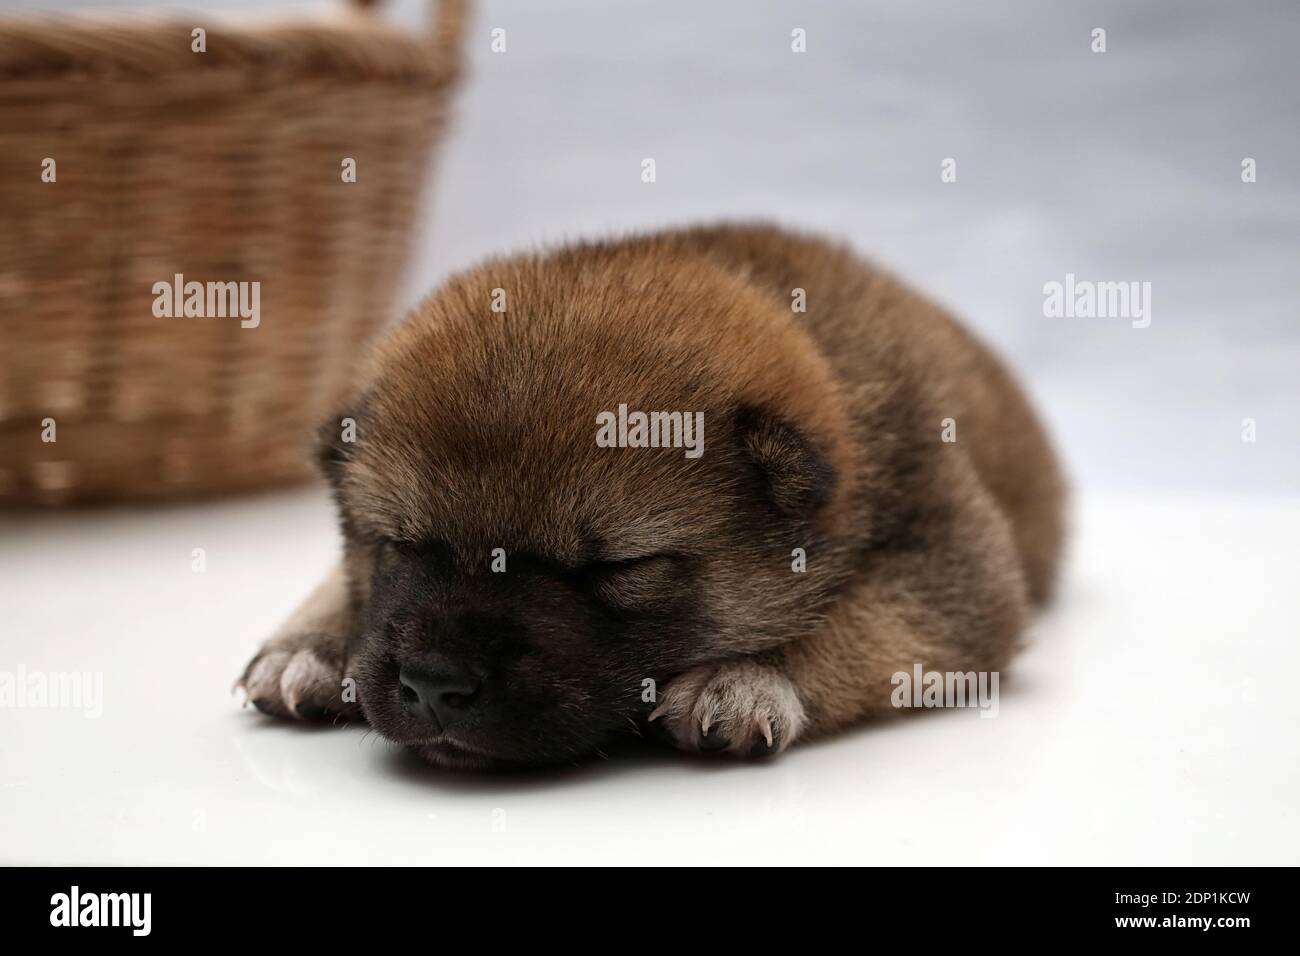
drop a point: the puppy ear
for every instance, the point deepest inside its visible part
(797, 476)
(335, 440)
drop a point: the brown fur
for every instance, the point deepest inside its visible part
(476, 430)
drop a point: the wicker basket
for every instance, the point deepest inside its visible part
(219, 166)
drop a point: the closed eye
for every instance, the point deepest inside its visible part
(621, 564)
(634, 582)
(428, 554)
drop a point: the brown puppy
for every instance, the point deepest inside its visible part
(514, 590)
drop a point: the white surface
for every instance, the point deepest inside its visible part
(1153, 720)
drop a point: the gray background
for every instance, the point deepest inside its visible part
(1116, 166)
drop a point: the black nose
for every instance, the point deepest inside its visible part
(441, 696)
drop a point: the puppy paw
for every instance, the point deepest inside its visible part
(299, 678)
(742, 708)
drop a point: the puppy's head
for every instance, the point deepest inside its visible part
(526, 573)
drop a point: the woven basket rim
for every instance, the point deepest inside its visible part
(345, 42)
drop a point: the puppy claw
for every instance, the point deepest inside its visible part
(742, 708)
(295, 684)
(302, 676)
(261, 681)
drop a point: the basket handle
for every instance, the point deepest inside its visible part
(448, 24)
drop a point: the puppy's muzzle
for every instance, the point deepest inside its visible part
(443, 695)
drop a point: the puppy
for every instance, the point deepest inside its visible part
(722, 482)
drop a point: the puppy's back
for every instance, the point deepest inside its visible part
(907, 366)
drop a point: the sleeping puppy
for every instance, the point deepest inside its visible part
(721, 482)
